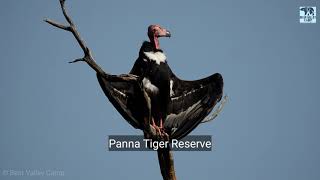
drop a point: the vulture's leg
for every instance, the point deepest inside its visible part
(161, 135)
(166, 163)
(160, 124)
(149, 131)
(164, 135)
(157, 128)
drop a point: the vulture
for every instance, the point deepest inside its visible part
(175, 106)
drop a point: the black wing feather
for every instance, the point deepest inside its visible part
(191, 102)
(127, 98)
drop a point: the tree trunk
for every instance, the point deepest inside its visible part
(166, 163)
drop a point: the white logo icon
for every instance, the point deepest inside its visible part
(308, 14)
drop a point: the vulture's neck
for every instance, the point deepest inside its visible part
(149, 47)
(155, 43)
(148, 50)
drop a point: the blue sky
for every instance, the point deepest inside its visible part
(54, 115)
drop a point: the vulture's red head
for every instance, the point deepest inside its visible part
(156, 31)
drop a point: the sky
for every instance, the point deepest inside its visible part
(54, 115)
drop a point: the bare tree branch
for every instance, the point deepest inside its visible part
(71, 28)
(58, 25)
(88, 58)
(77, 60)
(65, 13)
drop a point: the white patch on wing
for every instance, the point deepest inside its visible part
(171, 90)
(158, 57)
(149, 86)
(119, 92)
(185, 94)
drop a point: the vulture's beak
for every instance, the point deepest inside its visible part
(168, 34)
(164, 33)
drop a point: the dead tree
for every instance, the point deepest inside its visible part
(88, 58)
(164, 155)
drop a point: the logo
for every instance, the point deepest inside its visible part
(308, 14)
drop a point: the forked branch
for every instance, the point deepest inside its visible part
(88, 58)
(71, 28)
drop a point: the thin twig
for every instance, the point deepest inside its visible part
(77, 60)
(58, 25)
(71, 28)
(88, 58)
(65, 13)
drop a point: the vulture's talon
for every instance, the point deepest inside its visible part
(156, 134)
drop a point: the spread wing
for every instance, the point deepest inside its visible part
(191, 102)
(127, 98)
